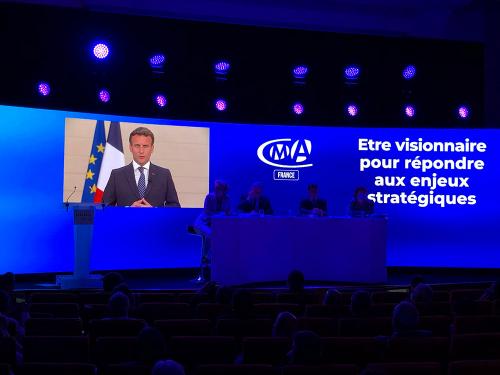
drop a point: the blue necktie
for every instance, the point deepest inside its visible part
(141, 184)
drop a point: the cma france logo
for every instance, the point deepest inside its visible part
(285, 153)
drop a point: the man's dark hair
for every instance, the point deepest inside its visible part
(142, 131)
(295, 281)
(312, 186)
(111, 280)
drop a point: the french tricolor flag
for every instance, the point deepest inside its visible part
(113, 158)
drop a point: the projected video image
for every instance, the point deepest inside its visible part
(137, 165)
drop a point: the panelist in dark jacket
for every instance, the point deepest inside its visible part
(255, 201)
(313, 205)
(141, 183)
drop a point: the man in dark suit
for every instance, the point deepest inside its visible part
(141, 183)
(255, 202)
(313, 205)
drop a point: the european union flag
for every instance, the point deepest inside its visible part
(95, 160)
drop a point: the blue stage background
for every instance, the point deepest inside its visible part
(36, 229)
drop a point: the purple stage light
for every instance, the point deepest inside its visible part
(222, 67)
(352, 72)
(157, 61)
(43, 88)
(220, 105)
(101, 51)
(300, 71)
(352, 110)
(409, 72)
(463, 112)
(410, 111)
(104, 96)
(298, 108)
(160, 100)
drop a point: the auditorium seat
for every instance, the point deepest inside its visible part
(114, 350)
(125, 369)
(7, 350)
(56, 349)
(211, 310)
(160, 311)
(381, 309)
(54, 298)
(187, 297)
(54, 327)
(466, 307)
(268, 350)
(57, 369)
(389, 296)
(365, 326)
(476, 324)
(56, 310)
(154, 297)
(357, 350)
(244, 327)
(237, 370)
(271, 310)
(434, 308)
(465, 294)
(440, 296)
(439, 325)
(421, 349)
(184, 327)
(485, 367)
(475, 346)
(99, 298)
(405, 368)
(263, 297)
(325, 311)
(339, 369)
(308, 297)
(322, 326)
(115, 327)
(203, 349)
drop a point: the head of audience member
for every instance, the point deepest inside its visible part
(167, 367)
(255, 190)
(6, 305)
(285, 325)
(7, 282)
(405, 318)
(295, 281)
(360, 303)
(312, 191)
(111, 280)
(152, 346)
(220, 188)
(422, 293)
(119, 305)
(242, 303)
(332, 297)
(224, 295)
(306, 349)
(415, 281)
(492, 293)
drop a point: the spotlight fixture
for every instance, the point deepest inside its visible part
(43, 88)
(104, 96)
(409, 72)
(298, 109)
(157, 61)
(352, 72)
(101, 51)
(222, 67)
(160, 100)
(352, 110)
(300, 71)
(463, 112)
(410, 111)
(220, 105)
